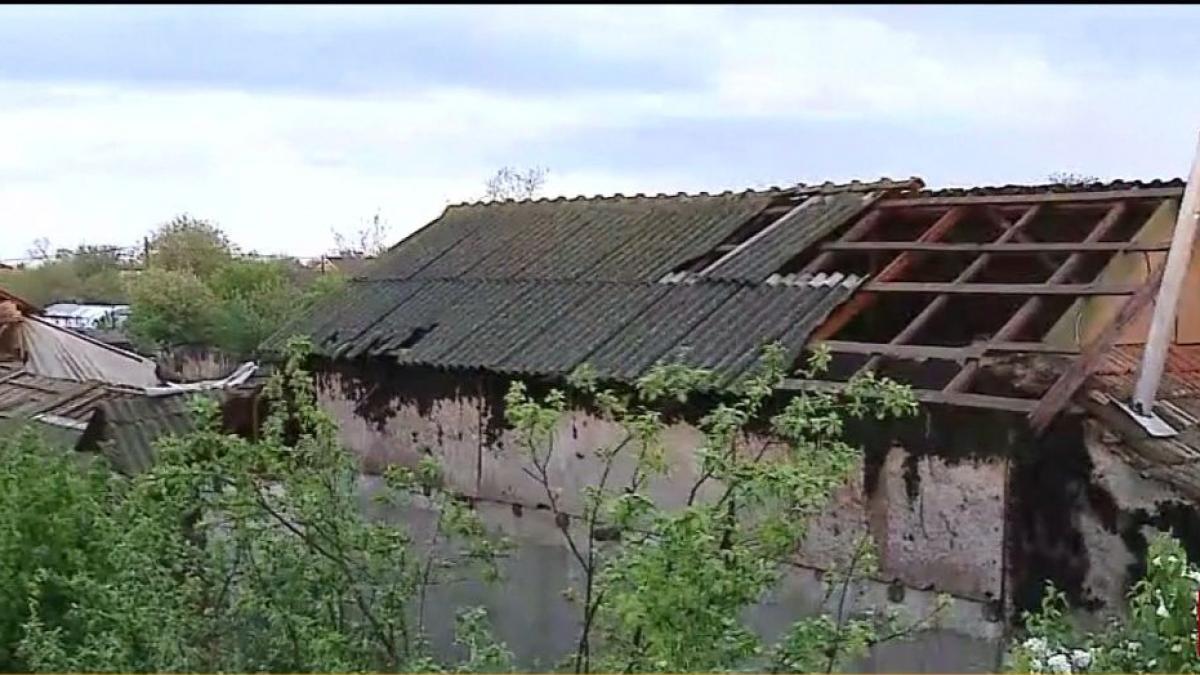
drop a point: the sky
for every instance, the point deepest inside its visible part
(284, 124)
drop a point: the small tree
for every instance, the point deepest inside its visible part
(669, 596)
(171, 307)
(227, 555)
(1067, 178)
(185, 244)
(510, 183)
(369, 241)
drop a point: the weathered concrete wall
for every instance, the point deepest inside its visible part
(530, 614)
(916, 504)
(193, 363)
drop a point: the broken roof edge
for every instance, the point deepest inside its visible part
(1114, 185)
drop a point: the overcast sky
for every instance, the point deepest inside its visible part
(280, 123)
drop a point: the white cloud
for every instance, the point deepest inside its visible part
(278, 170)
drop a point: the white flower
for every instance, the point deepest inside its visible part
(1156, 561)
(1059, 663)
(1081, 659)
(1162, 610)
(1133, 646)
(1037, 666)
(1036, 646)
(1151, 663)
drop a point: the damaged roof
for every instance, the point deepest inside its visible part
(123, 423)
(940, 289)
(540, 287)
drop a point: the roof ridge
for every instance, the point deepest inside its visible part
(799, 188)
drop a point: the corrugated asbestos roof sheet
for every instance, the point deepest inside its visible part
(544, 327)
(617, 239)
(541, 286)
(814, 219)
(133, 425)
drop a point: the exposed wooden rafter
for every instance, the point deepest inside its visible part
(1031, 307)
(894, 270)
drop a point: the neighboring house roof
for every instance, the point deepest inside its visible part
(73, 315)
(936, 288)
(58, 352)
(123, 423)
(351, 266)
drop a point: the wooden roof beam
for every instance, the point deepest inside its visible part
(1026, 313)
(1022, 405)
(894, 270)
(1060, 393)
(957, 288)
(973, 270)
(1000, 248)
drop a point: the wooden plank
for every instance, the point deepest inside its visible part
(943, 352)
(900, 351)
(1035, 198)
(1003, 248)
(955, 288)
(894, 270)
(1060, 393)
(926, 315)
(1028, 348)
(1021, 405)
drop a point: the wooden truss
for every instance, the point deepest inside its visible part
(1007, 253)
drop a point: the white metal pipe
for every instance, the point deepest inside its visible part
(1162, 325)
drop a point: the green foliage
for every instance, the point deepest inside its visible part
(228, 555)
(255, 298)
(1157, 633)
(87, 274)
(196, 292)
(185, 244)
(671, 595)
(172, 307)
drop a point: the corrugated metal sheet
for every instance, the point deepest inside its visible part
(72, 315)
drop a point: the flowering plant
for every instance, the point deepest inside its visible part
(1157, 632)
